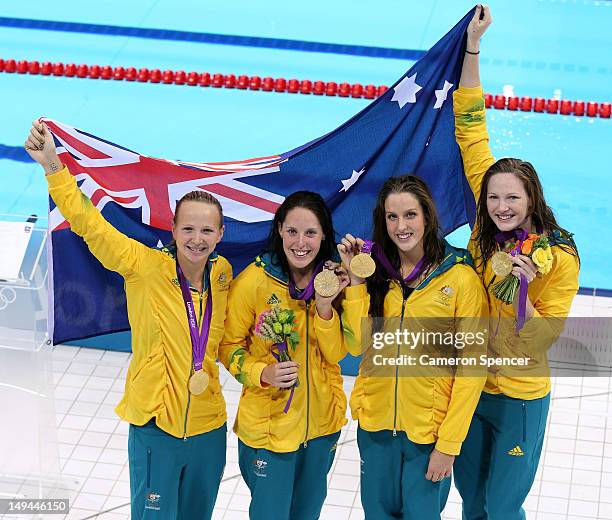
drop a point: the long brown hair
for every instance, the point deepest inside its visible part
(433, 245)
(541, 214)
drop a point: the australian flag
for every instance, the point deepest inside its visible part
(410, 129)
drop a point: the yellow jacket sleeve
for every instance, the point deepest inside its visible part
(472, 136)
(234, 350)
(355, 308)
(330, 338)
(112, 248)
(471, 315)
(556, 299)
(552, 306)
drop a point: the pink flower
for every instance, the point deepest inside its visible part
(260, 321)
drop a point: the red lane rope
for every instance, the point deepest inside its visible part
(282, 85)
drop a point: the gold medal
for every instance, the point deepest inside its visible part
(326, 283)
(198, 382)
(362, 265)
(501, 264)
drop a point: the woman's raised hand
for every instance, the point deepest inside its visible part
(41, 147)
(478, 26)
(348, 247)
(523, 265)
(323, 303)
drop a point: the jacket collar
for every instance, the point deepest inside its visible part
(562, 238)
(272, 267)
(452, 256)
(170, 250)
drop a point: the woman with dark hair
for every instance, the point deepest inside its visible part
(172, 398)
(501, 453)
(288, 426)
(412, 418)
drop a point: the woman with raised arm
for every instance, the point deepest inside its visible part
(283, 342)
(516, 243)
(412, 418)
(176, 302)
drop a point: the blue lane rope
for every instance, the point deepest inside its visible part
(14, 153)
(212, 38)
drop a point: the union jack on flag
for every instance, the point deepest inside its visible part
(111, 173)
(410, 129)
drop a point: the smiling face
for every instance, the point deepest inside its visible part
(405, 222)
(196, 231)
(508, 204)
(302, 234)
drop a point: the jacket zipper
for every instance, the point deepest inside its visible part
(190, 373)
(397, 372)
(305, 443)
(404, 300)
(307, 380)
(524, 422)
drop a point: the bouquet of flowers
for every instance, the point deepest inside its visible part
(278, 326)
(536, 247)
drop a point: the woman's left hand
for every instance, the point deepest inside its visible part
(478, 25)
(324, 305)
(440, 466)
(523, 265)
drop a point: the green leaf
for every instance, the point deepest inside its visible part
(294, 339)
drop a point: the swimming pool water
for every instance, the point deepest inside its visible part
(537, 47)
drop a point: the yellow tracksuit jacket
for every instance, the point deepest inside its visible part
(551, 294)
(432, 409)
(157, 380)
(319, 403)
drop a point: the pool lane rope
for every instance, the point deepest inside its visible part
(282, 85)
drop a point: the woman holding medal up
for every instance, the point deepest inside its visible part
(500, 456)
(283, 342)
(176, 301)
(413, 420)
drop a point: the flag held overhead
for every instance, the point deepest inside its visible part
(410, 129)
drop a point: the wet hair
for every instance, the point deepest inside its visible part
(433, 245)
(199, 196)
(541, 214)
(310, 201)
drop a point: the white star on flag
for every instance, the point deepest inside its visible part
(441, 94)
(347, 183)
(405, 91)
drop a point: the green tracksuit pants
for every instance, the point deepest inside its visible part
(174, 479)
(393, 483)
(500, 456)
(288, 486)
